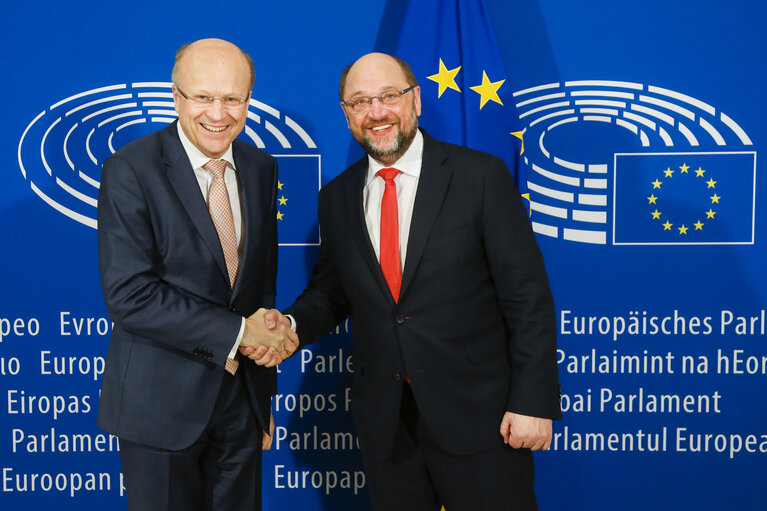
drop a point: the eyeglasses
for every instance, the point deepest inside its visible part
(230, 102)
(388, 97)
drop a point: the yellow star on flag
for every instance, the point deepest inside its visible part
(488, 90)
(656, 184)
(710, 213)
(667, 226)
(699, 172)
(519, 134)
(652, 198)
(655, 214)
(526, 196)
(279, 185)
(282, 200)
(668, 172)
(280, 215)
(683, 229)
(684, 168)
(698, 225)
(445, 78)
(711, 183)
(715, 199)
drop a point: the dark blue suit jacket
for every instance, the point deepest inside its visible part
(167, 291)
(475, 323)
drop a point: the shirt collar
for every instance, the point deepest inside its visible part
(409, 163)
(196, 157)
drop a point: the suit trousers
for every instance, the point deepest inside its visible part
(220, 471)
(422, 476)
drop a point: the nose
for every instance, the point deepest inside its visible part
(216, 110)
(377, 107)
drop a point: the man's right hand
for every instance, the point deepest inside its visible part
(268, 339)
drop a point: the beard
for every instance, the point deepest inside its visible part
(389, 152)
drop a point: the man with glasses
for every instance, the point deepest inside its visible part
(427, 246)
(187, 243)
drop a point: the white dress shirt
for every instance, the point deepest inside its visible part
(204, 178)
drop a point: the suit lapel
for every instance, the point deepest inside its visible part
(432, 186)
(353, 193)
(182, 179)
(251, 208)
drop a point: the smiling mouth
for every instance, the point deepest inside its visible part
(214, 129)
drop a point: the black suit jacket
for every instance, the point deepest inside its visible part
(475, 322)
(167, 291)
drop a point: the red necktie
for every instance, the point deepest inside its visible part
(390, 261)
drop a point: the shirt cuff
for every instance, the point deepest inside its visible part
(233, 351)
(292, 322)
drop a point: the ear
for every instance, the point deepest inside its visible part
(176, 97)
(346, 114)
(417, 100)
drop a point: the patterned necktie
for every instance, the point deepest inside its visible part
(221, 212)
(390, 259)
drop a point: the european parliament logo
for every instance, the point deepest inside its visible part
(61, 151)
(630, 164)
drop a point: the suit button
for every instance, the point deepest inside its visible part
(232, 308)
(400, 319)
(397, 376)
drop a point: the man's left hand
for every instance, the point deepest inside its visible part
(523, 431)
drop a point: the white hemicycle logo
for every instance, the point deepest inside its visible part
(61, 151)
(576, 157)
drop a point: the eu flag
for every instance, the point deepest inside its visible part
(465, 94)
(684, 198)
(298, 185)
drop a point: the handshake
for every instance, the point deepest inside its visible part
(268, 338)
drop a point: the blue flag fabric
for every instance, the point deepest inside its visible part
(684, 198)
(297, 199)
(465, 94)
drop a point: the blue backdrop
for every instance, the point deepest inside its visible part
(641, 124)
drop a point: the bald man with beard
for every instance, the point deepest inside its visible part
(427, 247)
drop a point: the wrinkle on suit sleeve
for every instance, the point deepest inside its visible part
(323, 304)
(136, 297)
(523, 293)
